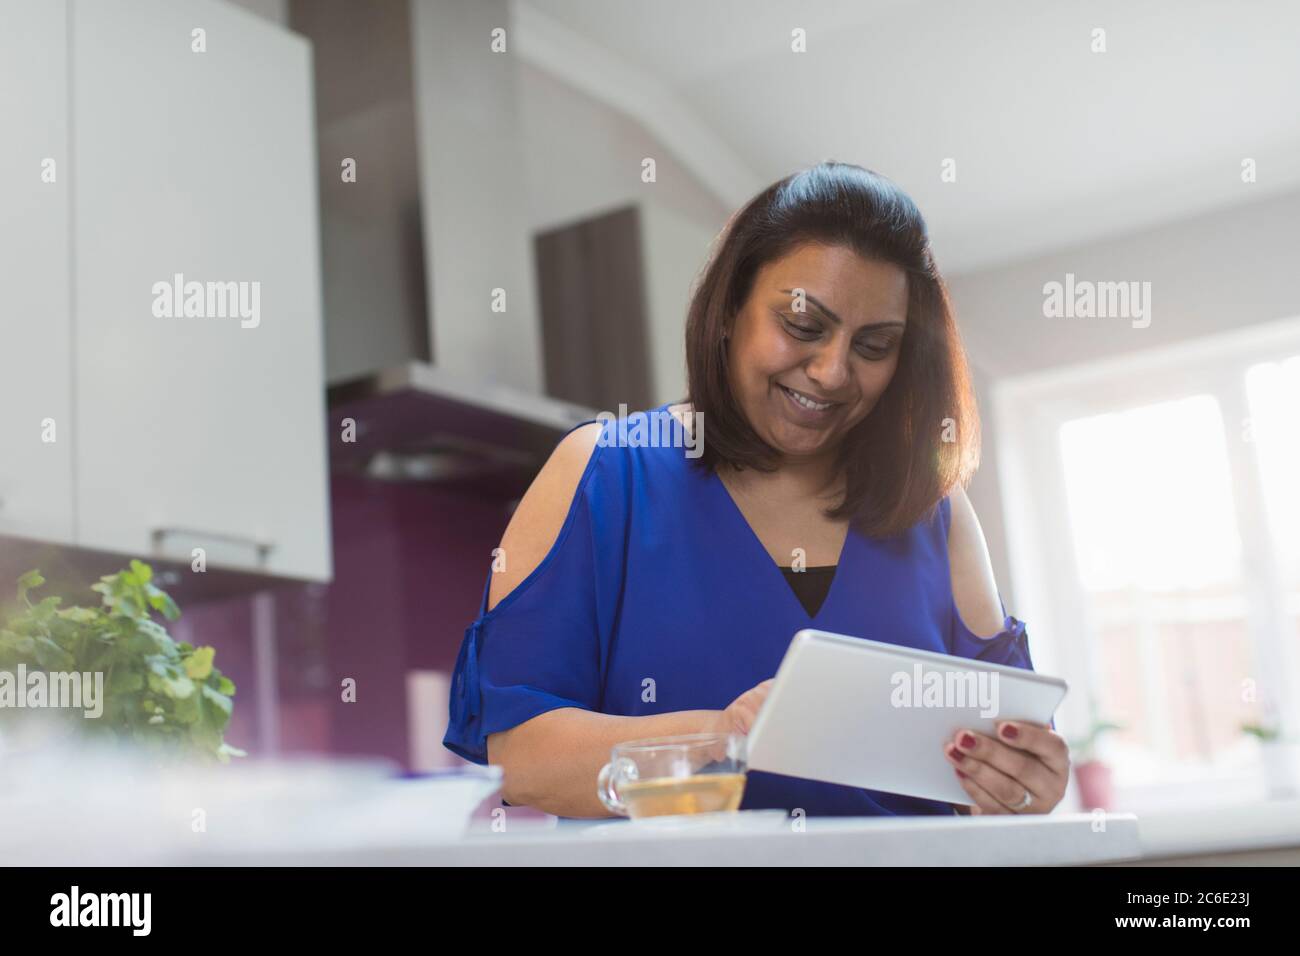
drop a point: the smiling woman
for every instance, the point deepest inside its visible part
(836, 258)
(645, 592)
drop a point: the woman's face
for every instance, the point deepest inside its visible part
(839, 354)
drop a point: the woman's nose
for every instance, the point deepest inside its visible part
(829, 368)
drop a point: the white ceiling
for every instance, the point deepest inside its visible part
(1055, 145)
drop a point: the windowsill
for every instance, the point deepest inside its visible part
(1220, 827)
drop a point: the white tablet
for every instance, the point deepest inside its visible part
(865, 714)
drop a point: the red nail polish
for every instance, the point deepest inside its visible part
(967, 742)
(960, 774)
(1010, 732)
(956, 754)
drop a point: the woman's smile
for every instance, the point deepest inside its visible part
(804, 409)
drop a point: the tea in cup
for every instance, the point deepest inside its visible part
(662, 776)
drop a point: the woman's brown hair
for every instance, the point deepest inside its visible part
(922, 437)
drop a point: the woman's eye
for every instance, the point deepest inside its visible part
(803, 332)
(877, 348)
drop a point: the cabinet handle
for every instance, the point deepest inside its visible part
(261, 547)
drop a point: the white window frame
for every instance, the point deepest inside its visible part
(1028, 411)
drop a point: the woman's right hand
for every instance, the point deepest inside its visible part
(741, 713)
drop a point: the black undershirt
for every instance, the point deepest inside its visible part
(810, 585)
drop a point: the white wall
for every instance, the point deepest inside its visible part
(985, 491)
(1211, 273)
(675, 248)
(277, 11)
(583, 158)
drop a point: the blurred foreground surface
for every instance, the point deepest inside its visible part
(72, 804)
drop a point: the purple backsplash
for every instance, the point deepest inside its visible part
(410, 562)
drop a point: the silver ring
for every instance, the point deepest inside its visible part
(1024, 803)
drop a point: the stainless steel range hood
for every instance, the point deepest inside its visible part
(435, 410)
(417, 422)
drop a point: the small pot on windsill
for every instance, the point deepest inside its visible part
(1095, 789)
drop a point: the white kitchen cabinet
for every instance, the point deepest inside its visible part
(36, 497)
(178, 432)
(197, 431)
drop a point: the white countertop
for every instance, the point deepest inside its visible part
(1056, 839)
(85, 811)
(1259, 825)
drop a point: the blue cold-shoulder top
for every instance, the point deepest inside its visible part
(656, 575)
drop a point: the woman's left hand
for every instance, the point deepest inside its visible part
(1024, 770)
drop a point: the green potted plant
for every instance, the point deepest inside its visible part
(154, 693)
(1092, 773)
(1280, 755)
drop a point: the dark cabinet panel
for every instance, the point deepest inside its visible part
(592, 294)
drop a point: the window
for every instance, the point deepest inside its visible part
(1132, 480)
(1273, 427)
(1273, 389)
(1159, 556)
(1153, 526)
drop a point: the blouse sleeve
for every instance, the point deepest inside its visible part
(539, 648)
(1009, 646)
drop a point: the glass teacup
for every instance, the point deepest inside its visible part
(690, 773)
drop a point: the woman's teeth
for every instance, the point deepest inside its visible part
(805, 401)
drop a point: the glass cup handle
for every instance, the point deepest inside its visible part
(606, 784)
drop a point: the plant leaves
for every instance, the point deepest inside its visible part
(52, 657)
(186, 709)
(219, 706)
(161, 602)
(225, 752)
(149, 638)
(42, 612)
(80, 615)
(165, 696)
(198, 665)
(166, 679)
(29, 582)
(125, 682)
